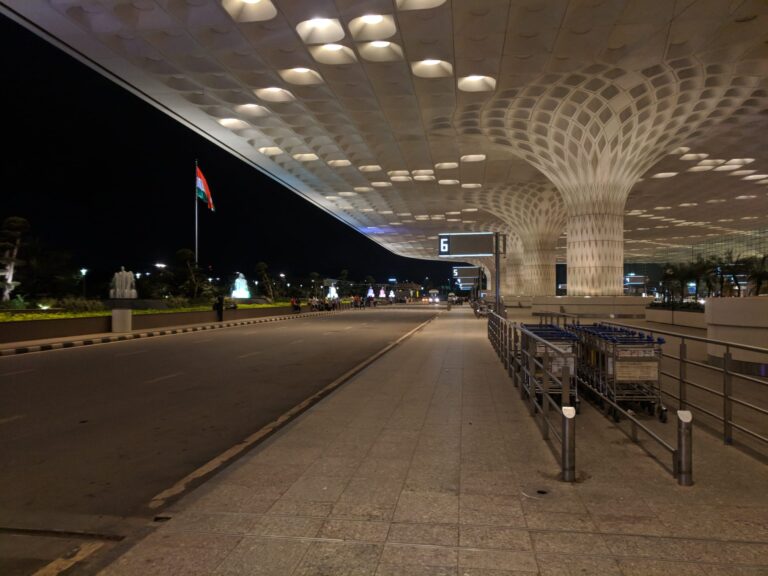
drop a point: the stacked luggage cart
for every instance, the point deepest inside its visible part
(620, 365)
(535, 350)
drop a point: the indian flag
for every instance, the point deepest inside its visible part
(203, 192)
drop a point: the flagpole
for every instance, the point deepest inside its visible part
(196, 208)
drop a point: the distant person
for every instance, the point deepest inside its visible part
(218, 306)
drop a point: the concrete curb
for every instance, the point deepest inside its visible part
(163, 332)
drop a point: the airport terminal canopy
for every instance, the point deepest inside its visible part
(588, 131)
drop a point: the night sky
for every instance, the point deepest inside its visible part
(103, 175)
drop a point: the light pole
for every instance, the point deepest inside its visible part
(83, 272)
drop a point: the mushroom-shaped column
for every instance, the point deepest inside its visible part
(535, 212)
(594, 131)
(512, 282)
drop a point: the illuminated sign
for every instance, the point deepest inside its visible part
(466, 244)
(466, 272)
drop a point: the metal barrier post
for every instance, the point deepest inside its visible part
(633, 426)
(682, 375)
(727, 406)
(547, 363)
(684, 447)
(568, 448)
(514, 366)
(565, 380)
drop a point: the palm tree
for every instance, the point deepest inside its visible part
(266, 281)
(756, 269)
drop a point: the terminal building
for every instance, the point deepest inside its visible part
(590, 134)
(618, 139)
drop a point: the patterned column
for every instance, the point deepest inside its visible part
(539, 278)
(595, 254)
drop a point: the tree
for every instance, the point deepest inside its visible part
(316, 280)
(266, 281)
(13, 229)
(370, 280)
(756, 269)
(190, 272)
(344, 286)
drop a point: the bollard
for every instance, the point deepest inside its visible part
(684, 447)
(633, 425)
(727, 406)
(682, 375)
(568, 448)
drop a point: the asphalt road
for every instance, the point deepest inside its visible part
(100, 430)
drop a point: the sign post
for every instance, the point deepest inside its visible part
(475, 245)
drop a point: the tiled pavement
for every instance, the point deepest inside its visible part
(427, 463)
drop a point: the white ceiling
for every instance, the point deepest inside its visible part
(464, 115)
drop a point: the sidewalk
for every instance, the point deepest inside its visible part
(428, 463)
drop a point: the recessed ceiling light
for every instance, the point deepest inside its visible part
(270, 150)
(471, 186)
(472, 158)
(424, 178)
(740, 161)
(454, 213)
(380, 44)
(688, 204)
(727, 167)
(381, 184)
(234, 123)
(749, 217)
(448, 182)
(431, 62)
(742, 172)
(476, 83)
(700, 168)
(432, 68)
(423, 172)
(693, 156)
(745, 197)
(370, 168)
(339, 163)
(331, 197)
(362, 189)
(680, 150)
(347, 194)
(305, 157)
(446, 165)
(715, 201)
(398, 173)
(333, 47)
(372, 18)
(469, 209)
(400, 178)
(711, 162)
(274, 94)
(755, 177)
(662, 208)
(664, 175)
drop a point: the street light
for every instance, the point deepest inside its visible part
(83, 272)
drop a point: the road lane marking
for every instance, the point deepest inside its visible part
(10, 419)
(160, 378)
(65, 562)
(250, 354)
(130, 353)
(212, 465)
(17, 372)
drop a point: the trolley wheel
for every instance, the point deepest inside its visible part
(663, 415)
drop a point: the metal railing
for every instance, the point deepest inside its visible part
(522, 366)
(536, 378)
(725, 396)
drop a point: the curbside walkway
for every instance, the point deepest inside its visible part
(427, 463)
(92, 339)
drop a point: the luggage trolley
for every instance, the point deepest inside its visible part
(564, 340)
(622, 365)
